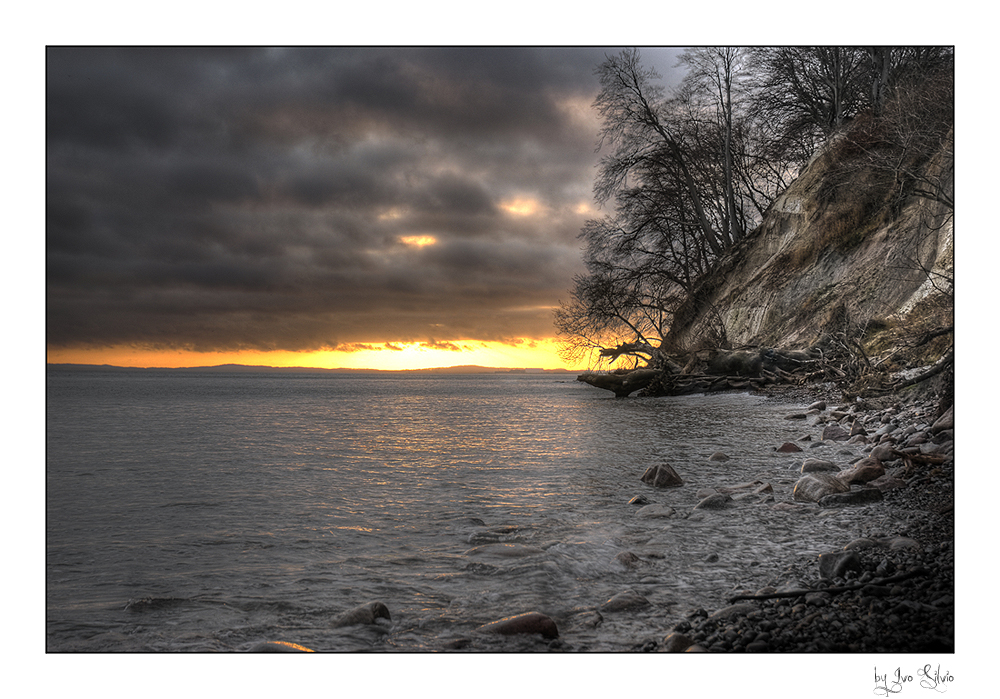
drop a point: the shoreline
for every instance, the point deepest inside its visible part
(890, 587)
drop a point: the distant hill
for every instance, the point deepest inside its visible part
(244, 368)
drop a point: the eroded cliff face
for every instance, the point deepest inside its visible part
(840, 251)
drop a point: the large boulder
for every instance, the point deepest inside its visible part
(527, 623)
(624, 601)
(867, 469)
(814, 486)
(818, 466)
(835, 433)
(662, 476)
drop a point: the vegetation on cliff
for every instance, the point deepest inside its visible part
(778, 200)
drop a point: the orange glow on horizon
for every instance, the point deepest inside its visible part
(522, 354)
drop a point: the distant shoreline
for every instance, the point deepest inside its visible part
(245, 368)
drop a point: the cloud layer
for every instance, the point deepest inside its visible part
(299, 199)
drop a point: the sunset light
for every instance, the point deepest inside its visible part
(386, 356)
(418, 241)
(521, 206)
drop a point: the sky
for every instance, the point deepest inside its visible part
(356, 207)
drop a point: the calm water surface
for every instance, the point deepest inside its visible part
(256, 507)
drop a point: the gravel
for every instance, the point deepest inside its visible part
(898, 595)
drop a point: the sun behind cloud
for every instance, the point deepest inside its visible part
(418, 241)
(521, 206)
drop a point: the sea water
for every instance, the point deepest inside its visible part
(212, 511)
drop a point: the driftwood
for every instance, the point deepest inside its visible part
(833, 590)
(622, 384)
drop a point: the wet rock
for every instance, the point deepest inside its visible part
(862, 543)
(527, 623)
(945, 422)
(818, 405)
(796, 416)
(280, 647)
(696, 648)
(858, 429)
(662, 476)
(364, 614)
(788, 448)
(835, 433)
(639, 500)
(714, 502)
(903, 542)
(676, 643)
(837, 563)
(818, 465)
(718, 456)
(656, 511)
(628, 559)
(624, 601)
(585, 618)
(867, 469)
(814, 486)
(861, 496)
(887, 482)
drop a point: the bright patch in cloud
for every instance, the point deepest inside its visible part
(418, 241)
(524, 206)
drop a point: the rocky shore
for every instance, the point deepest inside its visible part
(890, 588)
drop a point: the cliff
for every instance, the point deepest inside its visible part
(846, 250)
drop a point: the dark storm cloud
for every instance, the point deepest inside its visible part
(263, 198)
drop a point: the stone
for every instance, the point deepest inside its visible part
(662, 476)
(676, 643)
(887, 482)
(814, 486)
(862, 496)
(624, 601)
(818, 465)
(788, 448)
(818, 405)
(628, 559)
(718, 456)
(862, 543)
(639, 500)
(904, 542)
(835, 433)
(883, 452)
(796, 416)
(945, 422)
(527, 623)
(653, 511)
(837, 563)
(867, 469)
(857, 428)
(717, 501)
(363, 614)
